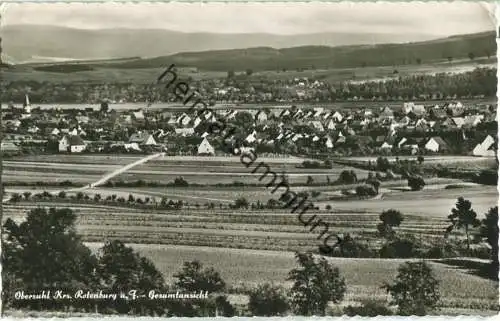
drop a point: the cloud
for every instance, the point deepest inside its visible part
(434, 18)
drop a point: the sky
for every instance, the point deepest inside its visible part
(436, 18)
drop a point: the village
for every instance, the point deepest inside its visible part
(451, 128)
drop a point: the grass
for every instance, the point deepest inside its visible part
(245, 269)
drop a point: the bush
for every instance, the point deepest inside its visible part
(416, 183)
(398, 249)
(349, 247)
(347, 177)
(383, 164)
(180, 181)
(368, 309)
(365, 190)
(267, 300)
(487, 177)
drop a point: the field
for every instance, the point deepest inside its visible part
(223, 170)
(253, 246)
(363, 276)
(108, 73)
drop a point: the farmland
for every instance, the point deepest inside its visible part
(363, 276)
(254, 246)
(223, 170)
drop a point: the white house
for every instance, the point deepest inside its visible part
(187, 131)
(205, 148)
(337, 117)
(436, 144)
(184, 119)
(317, 125)
(329, 143)
(196, 122)
(138, 115)
(73, 144)
(485, 149)
(142, 139)
(331, 124)
(261, 116)
(251, 138)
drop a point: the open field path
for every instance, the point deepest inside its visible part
(123, 169)
(106, 177)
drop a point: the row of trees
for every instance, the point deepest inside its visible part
(36, 257)
(481, 81)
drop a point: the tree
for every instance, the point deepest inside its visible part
(415, 290)
(249, 72)
(462, 216)
(390, 219)
(450, 59)
(471, 55)
(267, 300)
(383, 164)
(241, 203)
(121, 270)
(44, 252)
(16, 197)
(416, 183)
(27, 195)
(419, 61)
(489, 231)
(420, 159)
(230, 74)
(310, 180)
(348, 177)
(194, 278)
(315, 284)
(61, 194)
(104, 107)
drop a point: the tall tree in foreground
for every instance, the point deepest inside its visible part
(194, 277)
(316, 283)
(123, 270)
(463, 216)
(44, 252)
(415, 290)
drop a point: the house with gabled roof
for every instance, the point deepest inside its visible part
(205, 148)
(337, 116)
(138, 115)
(436, 144)
(317, 125)
(261, 116)
(142, 138)
(487, 148)
(72, 144)
(184, 120)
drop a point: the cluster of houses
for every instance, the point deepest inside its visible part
(409, 128)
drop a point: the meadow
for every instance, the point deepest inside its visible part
(364, 277)
(249, 247)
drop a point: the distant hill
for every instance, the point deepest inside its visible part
(322, 57)
(32, 43)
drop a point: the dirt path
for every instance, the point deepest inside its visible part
(103, 179)
(119, 171)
